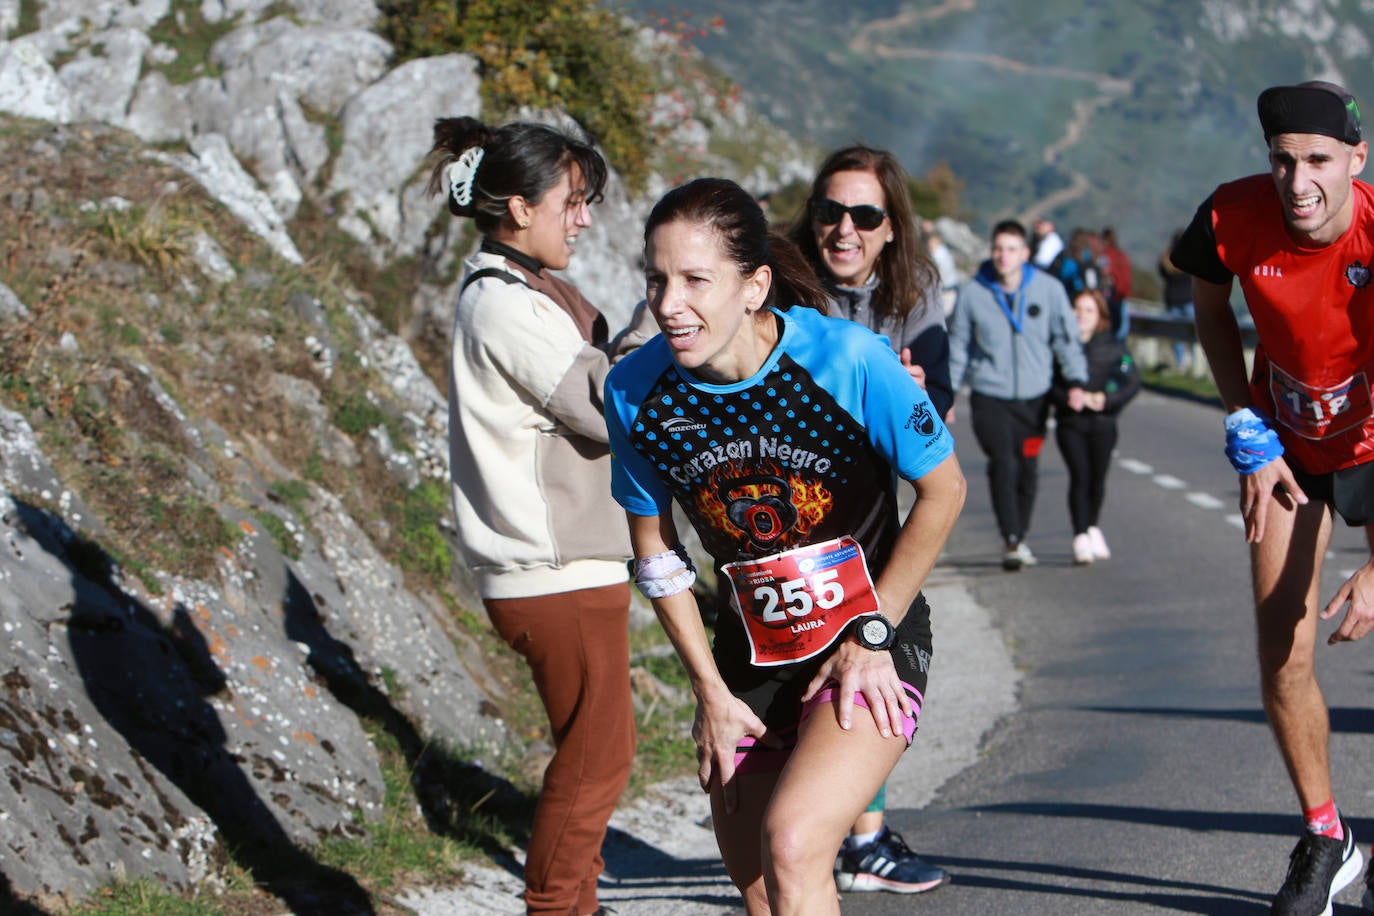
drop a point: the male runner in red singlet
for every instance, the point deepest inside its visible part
(1301, 431)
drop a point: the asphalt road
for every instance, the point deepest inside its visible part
(1137, 774)
(1093, 740)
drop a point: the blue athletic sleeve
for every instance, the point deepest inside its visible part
(930, 350)
(870, 383)
(902, 423)
(635, 484)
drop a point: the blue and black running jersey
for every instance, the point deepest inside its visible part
(807, 449)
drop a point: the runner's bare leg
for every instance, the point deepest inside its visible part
(831, 777)
(1286, 568)
(737, 835)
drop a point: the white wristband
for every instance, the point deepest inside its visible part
(666, 588)
(662, 575)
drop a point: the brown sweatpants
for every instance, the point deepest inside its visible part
(577, 646)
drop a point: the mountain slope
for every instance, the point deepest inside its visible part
(1091, 112)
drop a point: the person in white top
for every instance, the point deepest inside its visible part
(531, 476)
(1046, 243)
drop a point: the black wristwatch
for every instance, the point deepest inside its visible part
(874, 631)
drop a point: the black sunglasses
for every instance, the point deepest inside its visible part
(828, 212)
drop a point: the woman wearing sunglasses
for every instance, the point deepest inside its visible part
(859, 234)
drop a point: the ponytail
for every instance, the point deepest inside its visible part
(794, 282)
(479, 169)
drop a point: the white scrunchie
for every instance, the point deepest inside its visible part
(462, 173)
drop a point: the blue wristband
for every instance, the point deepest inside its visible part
(1251, 442)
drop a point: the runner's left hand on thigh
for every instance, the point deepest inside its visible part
(862, 671)
(722, 720)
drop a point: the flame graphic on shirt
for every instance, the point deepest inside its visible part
(730, 503)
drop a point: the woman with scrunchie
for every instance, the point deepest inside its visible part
(781, 434)
(531, 475)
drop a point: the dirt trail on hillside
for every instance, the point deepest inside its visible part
(1109, 88)
(910, 17)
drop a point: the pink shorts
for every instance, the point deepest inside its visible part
(752, 757)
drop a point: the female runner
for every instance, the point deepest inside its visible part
(780, 433)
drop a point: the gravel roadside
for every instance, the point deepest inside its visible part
(661, 856)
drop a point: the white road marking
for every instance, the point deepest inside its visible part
(1204, 500)
(1236, 521)
(1135, 467)
(1169, 482)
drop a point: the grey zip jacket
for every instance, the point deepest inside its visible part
(1006, 345)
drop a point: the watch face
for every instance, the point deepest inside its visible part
(874, 631)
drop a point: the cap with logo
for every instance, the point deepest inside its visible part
(1314, 107)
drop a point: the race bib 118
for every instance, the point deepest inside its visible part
(1317, 413)
(796, 603)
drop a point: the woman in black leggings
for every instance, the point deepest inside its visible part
(1086, 438)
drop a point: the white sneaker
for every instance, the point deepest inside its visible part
(1099, 544)
(1082, 549)
(1016, 557)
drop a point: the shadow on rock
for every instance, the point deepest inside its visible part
(150, 682)
(631, 859)
(11, 905)
(459, 798)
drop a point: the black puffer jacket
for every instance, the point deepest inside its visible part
(1110, 369)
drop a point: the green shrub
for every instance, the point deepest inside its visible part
(355, 414)
(938, 193)
(155, 237)
(292, 493)
(425, 551)
(145, 897)
(570, 54)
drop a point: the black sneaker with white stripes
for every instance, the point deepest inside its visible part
(887, 864)
(1318, 869)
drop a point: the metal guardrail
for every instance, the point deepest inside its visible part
(1153, 332)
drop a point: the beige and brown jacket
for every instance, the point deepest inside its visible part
(529, 460)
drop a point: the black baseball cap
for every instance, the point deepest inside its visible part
(1314, 107)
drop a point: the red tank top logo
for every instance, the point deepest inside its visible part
(1358, 275)
(1268, 270)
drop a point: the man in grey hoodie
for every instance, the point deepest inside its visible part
(1011, 325)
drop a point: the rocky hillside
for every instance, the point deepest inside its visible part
(229, 575)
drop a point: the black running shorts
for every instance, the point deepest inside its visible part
(1350, 491)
